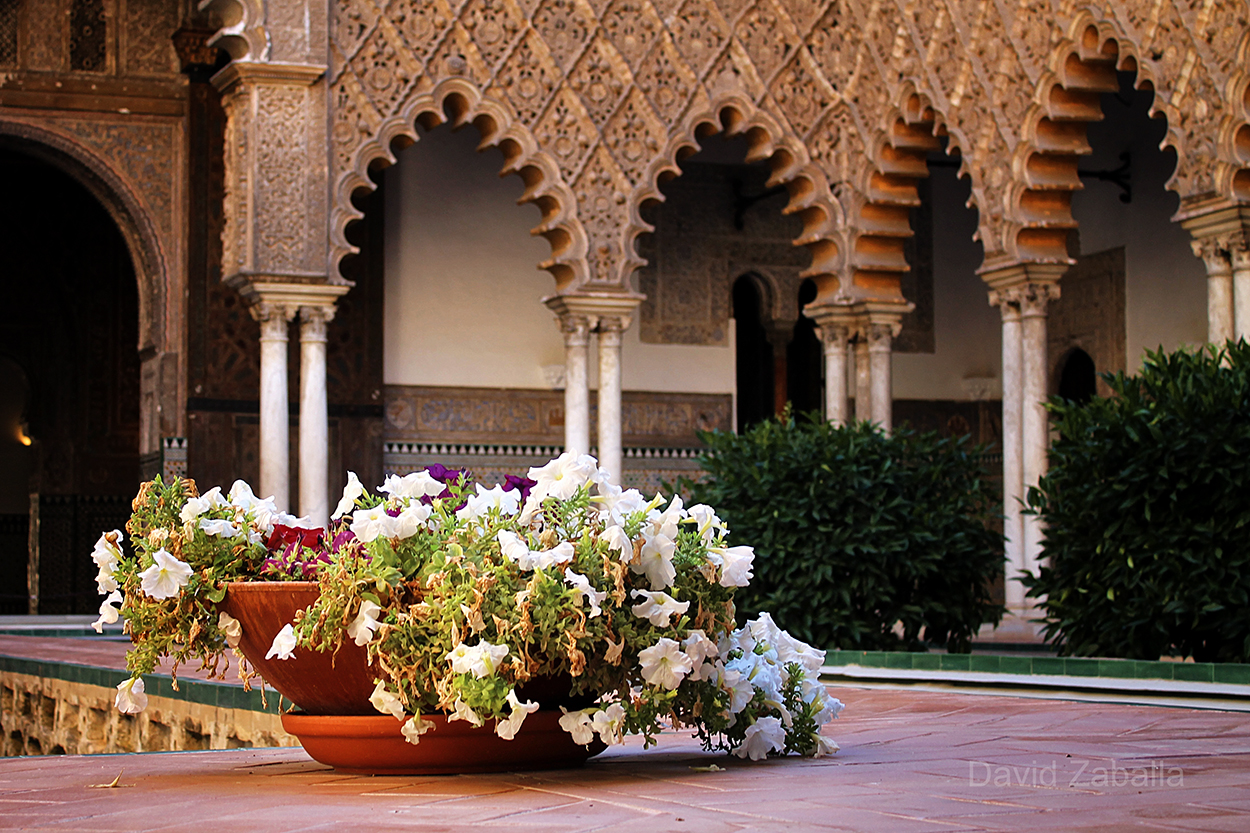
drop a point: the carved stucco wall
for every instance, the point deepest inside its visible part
(593, 102)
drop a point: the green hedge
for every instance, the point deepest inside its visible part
(1147, 507)
(855, 531)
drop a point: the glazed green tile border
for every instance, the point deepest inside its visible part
(1196, 672)
(222, 695)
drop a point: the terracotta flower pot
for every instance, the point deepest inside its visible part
(374, 745)
(319, 683)
(338, 726)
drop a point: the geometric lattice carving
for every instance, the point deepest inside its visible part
(88, 30)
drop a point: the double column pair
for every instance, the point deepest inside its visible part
(1227, 258)
(868, 337)
(608, 319)
(275, 318)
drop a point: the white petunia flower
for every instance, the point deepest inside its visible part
(262, 512)
(561, 478)
(130, 697)
(478, 505)
(825, 746)
(373, 523)
(481, 660)
(385, 702)
(657, 607)
(363, 626)
(283, 646)
(411, 519)
(197, 506)
(512, 546)
(108, 614)
(166, 577)
(414, 727)
(619, 541)
(763, 736)
(617, 504)
(608, 723)
(735, 564)
(515, 549)
(413, 486)
(707, 524)
(105, 582)
(578, 724)
(656, 561)
(508, 727)
(582, 589)
(701, 651)
(736, 684)
(108, 551)
(351, 492)
(664, 664)
(219, 528)
(463, 712)
(231, 627)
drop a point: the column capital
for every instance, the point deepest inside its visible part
(313, 321)
(1025, 300)
(576, 330)
(596, 306)
(610, 328)
(273, 316)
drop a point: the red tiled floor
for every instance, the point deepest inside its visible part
(905, 765)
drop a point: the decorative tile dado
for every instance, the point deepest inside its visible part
(416, 414)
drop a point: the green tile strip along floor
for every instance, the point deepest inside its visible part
(1204, 672)
(223, 695)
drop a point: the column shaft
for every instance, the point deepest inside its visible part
(609, 423)
(1013, 454)
(833, 340)
(576, 331)
(880, 337)
(275, 453)
(1240, 256)
(1035, 423)
(863, 380)
(314, 429)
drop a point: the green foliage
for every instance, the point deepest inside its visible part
(1148, 522)
(855, 531)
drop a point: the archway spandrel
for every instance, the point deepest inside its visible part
(493, 25)
(700, 32)
(566, 26)
(600, 79)
(384, 68)
(633, 27)
(766, 34)
(567, 132)
(666, 80)
(802, 94)
(527, 79)
(422, 23)
(635, 136)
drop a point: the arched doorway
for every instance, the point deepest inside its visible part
(754, 355)
(805, 358)
(1078, 378)
(71, 323)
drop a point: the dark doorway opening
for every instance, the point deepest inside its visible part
(1078, 381)
(754, 355)
(805, 358)
(71, 323)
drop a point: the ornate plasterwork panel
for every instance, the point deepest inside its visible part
(594, 101)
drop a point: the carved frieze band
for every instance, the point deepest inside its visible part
(492, 415)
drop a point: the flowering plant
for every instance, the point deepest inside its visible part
(462, 595)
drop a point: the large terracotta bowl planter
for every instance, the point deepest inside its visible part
(338, 726)
(319, 683)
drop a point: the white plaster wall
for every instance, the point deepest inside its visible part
(463, 294)
(967, 331)
(1165, 285)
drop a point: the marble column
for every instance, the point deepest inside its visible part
(1214, 255)
(576, 330)
(1008, 304)
(1035, 428)
(863, 378)
(609, 422)
(880, 338)
(314, 430)
(275, 439)
(834, 338)
(1239, 254)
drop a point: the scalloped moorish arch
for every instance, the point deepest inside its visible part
(790, 165)
(460, 102)
(1081, 68)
